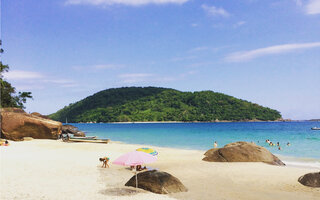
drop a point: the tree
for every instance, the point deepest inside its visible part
(8, 92)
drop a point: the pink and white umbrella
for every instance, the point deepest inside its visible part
(135, 158)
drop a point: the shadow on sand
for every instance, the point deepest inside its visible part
(119, 192)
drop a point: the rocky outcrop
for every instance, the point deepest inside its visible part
(17, 124)
(73, 130)
(311, 179)
(39, 115)
(157, 182)
(241, 152)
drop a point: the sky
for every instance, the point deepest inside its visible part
(266, 52)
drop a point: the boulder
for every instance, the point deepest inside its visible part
(39, 115)
(73, 130)
(27, 138)
(241, 152)
(311, 179)
(17, 124)
(157, 182)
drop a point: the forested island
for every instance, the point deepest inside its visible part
(149, 104)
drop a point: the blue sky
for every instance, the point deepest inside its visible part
(266, 52)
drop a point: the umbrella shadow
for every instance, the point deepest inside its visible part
(119, 192)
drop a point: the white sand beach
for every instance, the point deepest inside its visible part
(49, 169)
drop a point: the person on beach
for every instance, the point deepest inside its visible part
(104, 161)
(139, 168)
(215, 145)
(6, 143)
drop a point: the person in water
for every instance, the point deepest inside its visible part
(215, 145)
(288, 144)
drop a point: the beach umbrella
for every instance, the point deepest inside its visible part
(135, 158)
(148, 150)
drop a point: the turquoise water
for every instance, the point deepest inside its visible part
(305, 143)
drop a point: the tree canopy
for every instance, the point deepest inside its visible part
(9, 96)
(131, 104)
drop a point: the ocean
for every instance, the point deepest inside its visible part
(304, 149)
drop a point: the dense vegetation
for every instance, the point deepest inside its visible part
(9, 96)
(160, 104)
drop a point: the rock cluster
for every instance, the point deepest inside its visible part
(157, 182)
(17, 124)
(72, 130)
(241, 152)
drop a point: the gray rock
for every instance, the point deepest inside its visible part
(73, 130)
(157, 182)
(311, 179)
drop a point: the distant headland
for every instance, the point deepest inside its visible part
(154, 104)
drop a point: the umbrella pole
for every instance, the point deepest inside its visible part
(136, 180)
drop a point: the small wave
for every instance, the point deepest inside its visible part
(310, 165)
(313, 138)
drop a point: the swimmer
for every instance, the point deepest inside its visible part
(278, 144)
(215, 145)
(288, 144)
(279, 148)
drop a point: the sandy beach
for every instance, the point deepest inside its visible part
(49, 169)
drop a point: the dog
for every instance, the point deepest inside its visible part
(104, 162)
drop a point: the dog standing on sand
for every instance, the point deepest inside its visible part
(104, 162)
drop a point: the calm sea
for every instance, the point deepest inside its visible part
(304, 148)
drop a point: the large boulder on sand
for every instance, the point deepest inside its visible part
(17, 124)
(157, 182)
(241, 152)
(311, 179)
(73, 130)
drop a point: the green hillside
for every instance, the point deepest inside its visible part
(131, 104)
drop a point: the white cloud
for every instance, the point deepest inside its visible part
(240, 23)
(19, 75)
(177, 59)
(197, 49)
(106, 66)
(35, 80)
(135, 78)
(277, 49)
(124, 2)
(97, 67)
(313, 7)
(214, 11)
(62, 82)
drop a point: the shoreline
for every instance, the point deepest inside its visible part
(290, 161)
(36, 170)
(218, 121)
